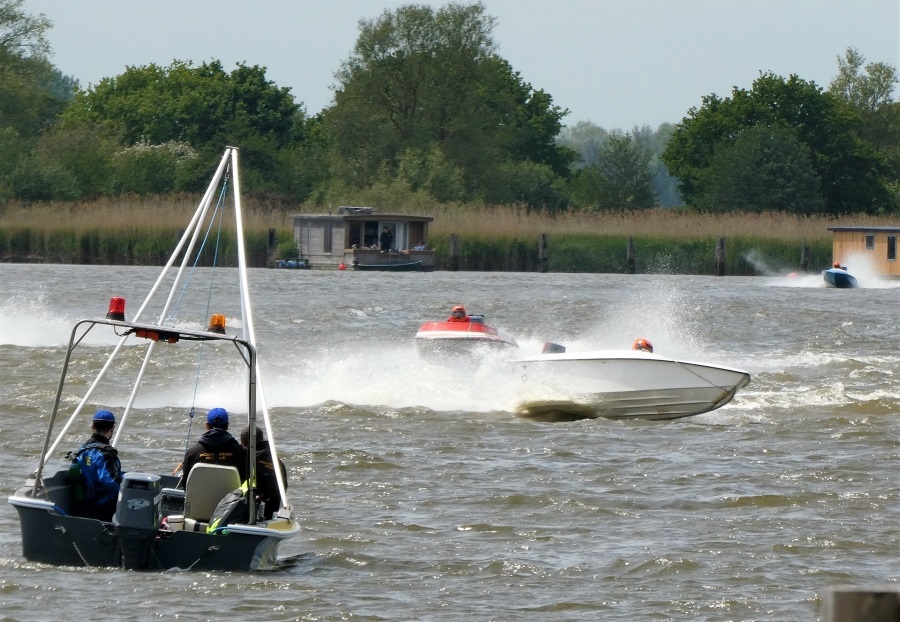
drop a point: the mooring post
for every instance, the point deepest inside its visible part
(543, 258)
(804, 257)
(454, 252)
(720, 256)
(629, 256)
(847, 603)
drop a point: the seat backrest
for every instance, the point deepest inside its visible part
(206, 485)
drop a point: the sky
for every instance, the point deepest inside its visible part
(618, 64)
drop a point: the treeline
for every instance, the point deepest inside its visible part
(426, 111)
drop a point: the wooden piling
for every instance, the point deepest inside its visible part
(849, 603)
(629, 256)
(804, 257)
(543, 258)
(720, 257)
(454, 252)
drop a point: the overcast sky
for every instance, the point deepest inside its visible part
(617, 63)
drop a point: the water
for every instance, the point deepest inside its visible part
(421, 494)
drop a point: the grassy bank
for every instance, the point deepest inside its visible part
(143, 230)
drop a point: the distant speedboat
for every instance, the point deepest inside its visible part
(455, 338)
(839, 277)
(623, 384)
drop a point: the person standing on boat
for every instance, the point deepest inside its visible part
(97, 470)
(458, 314)
(215, 446)
(266, 481)
(386, 239)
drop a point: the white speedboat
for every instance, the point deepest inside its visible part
(622, 384)
(156, 524)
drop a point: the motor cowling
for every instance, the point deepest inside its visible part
(137, 519)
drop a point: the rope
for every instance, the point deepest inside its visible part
(218, 212)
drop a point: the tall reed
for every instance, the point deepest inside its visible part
(143, 230)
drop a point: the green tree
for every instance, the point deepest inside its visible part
(620, 179)
(203, 107)
(585, 138)
(868, 89)
(420, 79)
(849, 170)
(865, 87)
(21, 33)
(764, 169)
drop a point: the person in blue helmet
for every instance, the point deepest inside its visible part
(97, 471)
(215, 446)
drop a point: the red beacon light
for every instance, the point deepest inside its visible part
(217, 324)
(116, 309)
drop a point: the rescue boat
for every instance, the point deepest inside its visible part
(159, 524)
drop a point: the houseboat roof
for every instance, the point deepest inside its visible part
(366, 216)
(864, 228)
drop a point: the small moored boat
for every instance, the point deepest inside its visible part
(389, 266)
(156, 524)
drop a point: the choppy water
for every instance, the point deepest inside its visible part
(423, 497)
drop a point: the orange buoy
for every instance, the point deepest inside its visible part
(342, 266)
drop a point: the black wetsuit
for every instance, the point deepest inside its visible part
(266, 482)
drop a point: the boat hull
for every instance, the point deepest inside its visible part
(839, 278)
(439, 339)
(623, 385)
(51, 535)
(406, 266)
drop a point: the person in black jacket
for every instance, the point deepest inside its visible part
(266, 482)
(386, 239)
(215, 446)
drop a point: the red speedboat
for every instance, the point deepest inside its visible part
(448, 338)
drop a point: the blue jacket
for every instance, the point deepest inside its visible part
(102, 470)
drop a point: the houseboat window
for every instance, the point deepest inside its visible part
(892, 248)
(870, 242)
(370, 234)
(327, 233)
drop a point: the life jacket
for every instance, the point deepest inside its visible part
(83, 475)
(233, 508)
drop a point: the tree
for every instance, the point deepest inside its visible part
(866, 90)
(32, 95)
(585, 138)
(423, 79)
(764, 169)
(22, 34)
(850, 172)
(620, 179)
(203, 107)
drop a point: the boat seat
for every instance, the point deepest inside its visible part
(206, 485)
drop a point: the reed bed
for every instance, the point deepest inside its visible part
(143, 229)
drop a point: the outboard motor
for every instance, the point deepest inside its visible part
(137, 518)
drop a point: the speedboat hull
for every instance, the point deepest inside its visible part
(835, 277)
(623, 385)
(437, 339)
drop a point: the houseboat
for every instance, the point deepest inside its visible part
(358, 238)
(876, 244)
